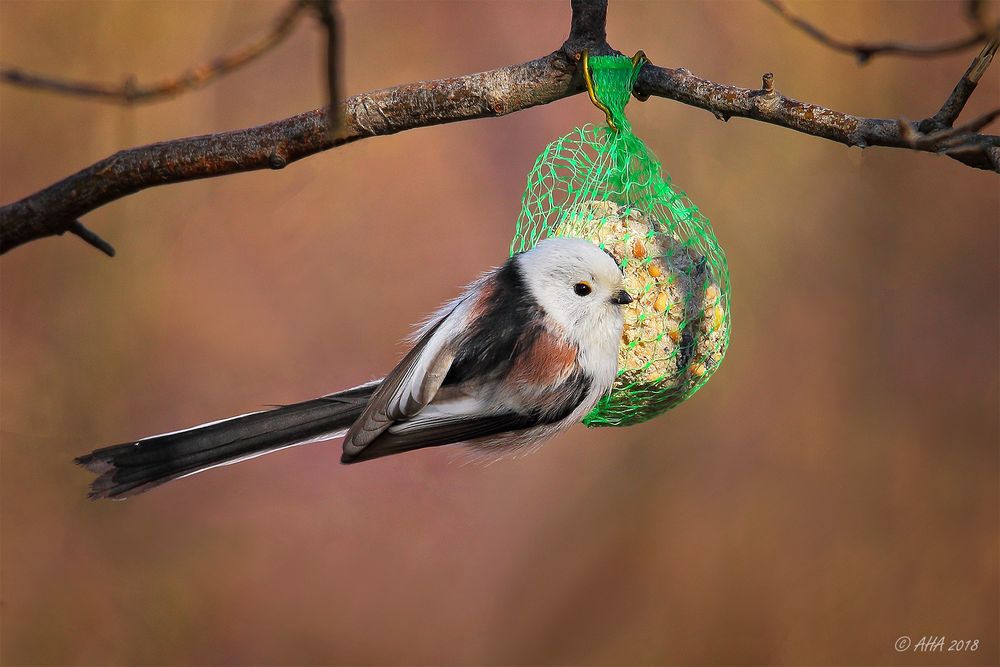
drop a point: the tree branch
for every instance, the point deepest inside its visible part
(56, 208)
(275, 145)
(864, 51)
(130, 92)
(769, 106)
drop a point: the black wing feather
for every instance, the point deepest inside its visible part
(499, 334)
(443, 432)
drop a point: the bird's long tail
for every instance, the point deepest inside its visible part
(131, 468)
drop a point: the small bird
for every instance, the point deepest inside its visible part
(525, 352)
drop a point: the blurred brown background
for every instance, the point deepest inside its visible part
(835, 486)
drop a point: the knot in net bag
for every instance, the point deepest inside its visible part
(601, 183)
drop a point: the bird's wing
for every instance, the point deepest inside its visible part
(461, 418)
(503, 369)
(428, 433)
(414, 381)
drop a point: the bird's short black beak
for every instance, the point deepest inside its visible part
(621, 297)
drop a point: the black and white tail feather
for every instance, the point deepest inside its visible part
(523, 353)
(134, 467)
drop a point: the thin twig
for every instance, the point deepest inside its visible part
(131, 92)
(864, 51)
(328, 16)
(76, 227)
(947, 138)
(979, 123)
(979, 14)
(952, 107)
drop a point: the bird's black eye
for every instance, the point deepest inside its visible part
(582, 289)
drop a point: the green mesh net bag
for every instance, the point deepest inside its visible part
(602, 184)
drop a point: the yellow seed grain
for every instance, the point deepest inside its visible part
(654, 270)
(698, 370)
(638, 250)
(660, 304)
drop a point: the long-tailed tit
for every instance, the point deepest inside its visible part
(525, 352)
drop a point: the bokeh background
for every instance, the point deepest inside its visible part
(834, 487)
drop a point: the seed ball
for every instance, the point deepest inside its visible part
(675, 330)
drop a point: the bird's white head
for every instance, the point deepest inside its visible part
(581, 288)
